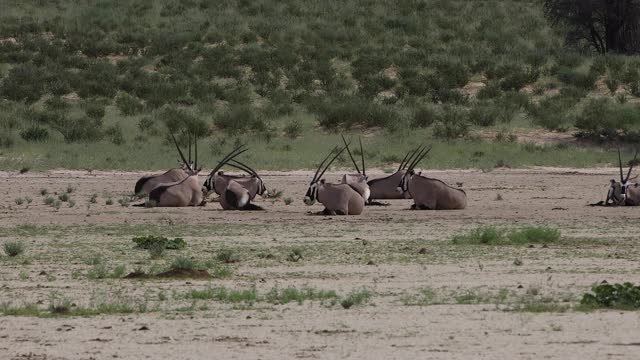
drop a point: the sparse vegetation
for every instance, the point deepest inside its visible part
(491, 235)
(227, 256)
(624, 296)
(356, 298)
(146, 242)
(13, 248)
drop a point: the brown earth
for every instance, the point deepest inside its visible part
(431, 298)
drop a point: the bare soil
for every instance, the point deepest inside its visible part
(431, 298)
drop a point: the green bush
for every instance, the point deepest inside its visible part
(452, 123)
(352, 111)
(23, 83)
(34, 133)
(13, 248)
(94, 110)
(128, 105)
(241, 118)
(75, 129)
(617, 296)
(424, 116)
(114, 134)
(606, 120)
(145, 242)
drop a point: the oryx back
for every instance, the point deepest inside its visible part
(387, 188)
(340, 199)
(186, 192)
(149, 182)
(434, 194)
(358, 182)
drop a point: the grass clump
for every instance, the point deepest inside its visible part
(290, 294)
(148, 241)
(227, 256)
(13, 248)
(624, 296)
(490, 235)
(294, 255)
(19, 201)
(183, 263)
(356, 298)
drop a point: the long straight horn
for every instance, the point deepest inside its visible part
(620, 163)
(235, 152)
(246, 167)
(190, 148)
(633, 162)
(414, 158)
(411, 156)
(330, 162)
(401, 166)
(181, 154)
(350, 155)
(233, 164)
(420, 157)
(362, 156)
(195, 143)
(315, 176)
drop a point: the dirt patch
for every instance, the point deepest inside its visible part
(531, 136)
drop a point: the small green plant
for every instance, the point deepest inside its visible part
(288, 201)
(273, 194)
(482, 235)
(24, 275)
(356, 298)
(49, 200)
(491, 235)
(293, 129)
(44, 192)
(64, 196)
(624, 296)
(71, 203)
(156, 249)
(28, 199)
(19, 201)
(13, 248)
(93, 199)
(57, 204)
(145, 242)
(59, 304)
(294, 255)
(227, 256)
(149, 203)
(183, 263)
(124, 201)
(109, 201)
(517, 262)
(70, 189)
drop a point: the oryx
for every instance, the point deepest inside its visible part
(338, 199)
(148, 182)
(387, 187)
(237, 192)
(357, 181)
(430, 194)
(624, 192)
(185, 192)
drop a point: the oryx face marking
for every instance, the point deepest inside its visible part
(312, 194)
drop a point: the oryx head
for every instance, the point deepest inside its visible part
(191, 168)
(361, 176)
(617, 190)
(209, 183)
(312, 192)
(413, 160)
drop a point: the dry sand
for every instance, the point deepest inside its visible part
(391, 251)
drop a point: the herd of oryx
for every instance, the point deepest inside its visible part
(181, 187)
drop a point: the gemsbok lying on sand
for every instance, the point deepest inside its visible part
(357, 181)
(185, 192)
(338, 199)
(430, 194)
(149, 182)
(623, 192)
(386, 188)
(236, 192)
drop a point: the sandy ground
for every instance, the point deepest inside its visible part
(394, 253)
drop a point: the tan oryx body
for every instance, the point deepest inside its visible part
(624, 193)
(236, 192)
(431, 194)
(185, 192)
(358, 182)
(150, 182)
(386, 188)
(338, 199)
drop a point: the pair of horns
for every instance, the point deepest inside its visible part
(241, 166)
(622, 179)
(419, 154)
(318, 173)
(187, 163)
(230, 156)
(346, 145)
(412, 157)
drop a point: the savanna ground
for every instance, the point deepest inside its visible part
(285, 284)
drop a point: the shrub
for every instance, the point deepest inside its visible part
(227, 256)
(183, 263)
(19, 201)
(293, 129)
(145, 242)
(128, 105)
(452, 123)
(534, 234)
(78, 128)
(351, 111)
(573, 77)
(294, 255)
(34, 133)
(617, 296)
(240, 118)
(356, 298)
(604, 119)
(23, 83)
(490, 235)
(424, 116)
(13, 248)
(94, 110)
(114, 134)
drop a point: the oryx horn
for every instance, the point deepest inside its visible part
(362, 156)
(330, 162)
(181, 154)
(620, 164)
(315, 176)
(350, 155)
(419, 157)
(633, 162)
(235, 152)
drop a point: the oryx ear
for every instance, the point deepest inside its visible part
(220, 172)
